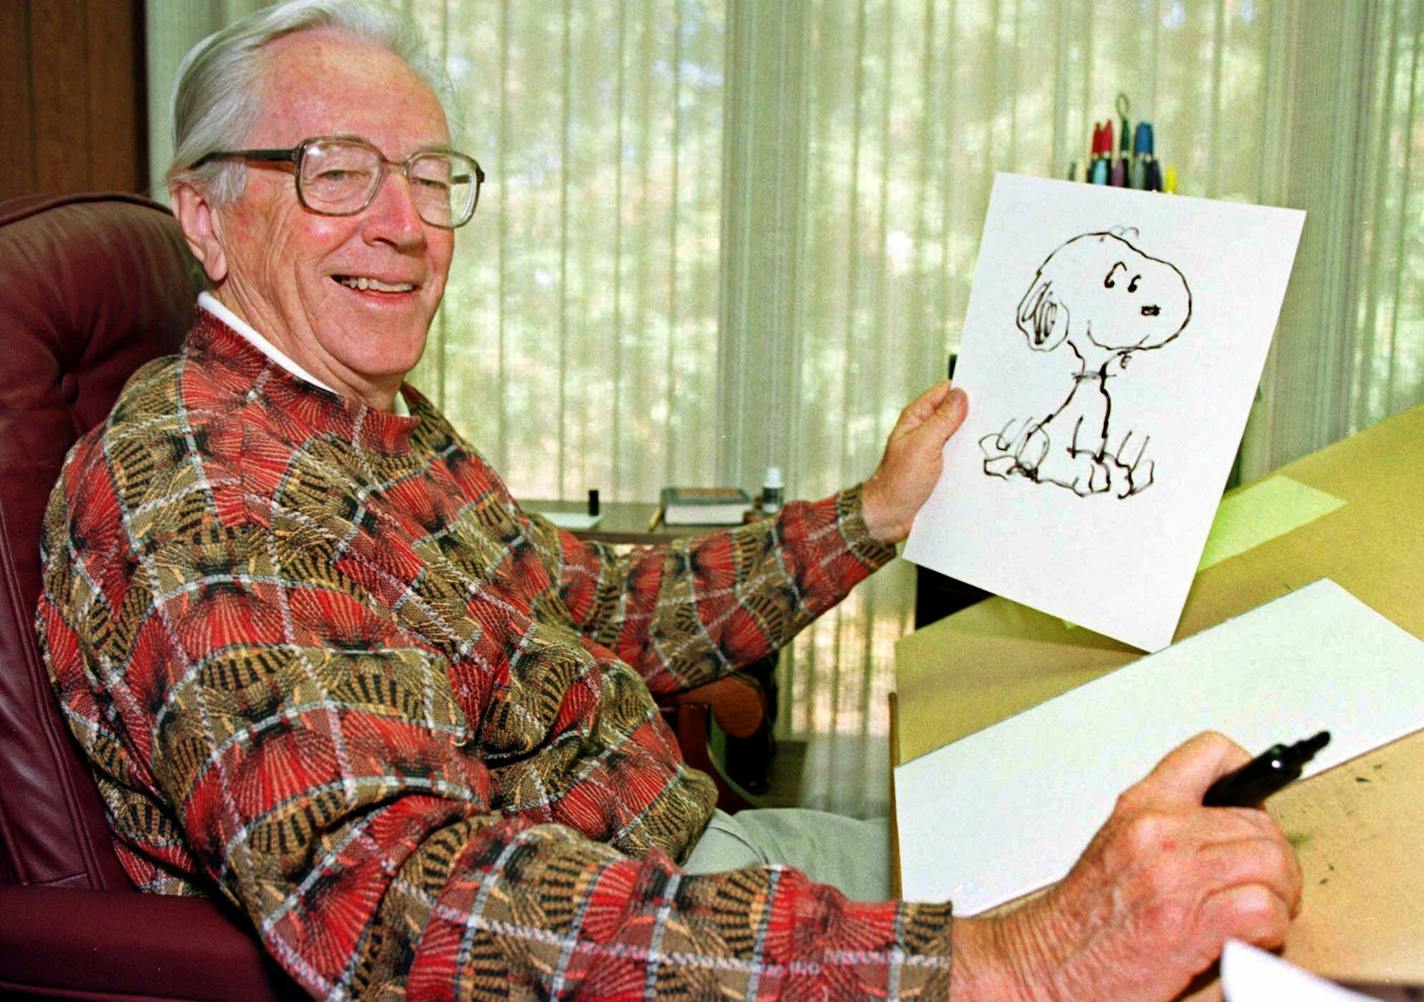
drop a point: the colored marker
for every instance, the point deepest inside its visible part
(1141, 156)
(1102, 148)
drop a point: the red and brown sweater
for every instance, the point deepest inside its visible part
(324, 665)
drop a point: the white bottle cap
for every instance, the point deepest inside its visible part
(773, 477)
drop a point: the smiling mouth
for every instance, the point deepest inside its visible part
(363, 283)
(1151, 311)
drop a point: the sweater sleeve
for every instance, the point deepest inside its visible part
(696, 608)
(315, 763)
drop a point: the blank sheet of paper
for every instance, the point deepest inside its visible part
(1007, 810)
(573, 521)
(1111, 348)
(1260, 513)
(1250, 974)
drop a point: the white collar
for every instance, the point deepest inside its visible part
(209, 302)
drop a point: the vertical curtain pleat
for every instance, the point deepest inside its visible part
(1403, 351)
(947, 266)
(670, 387)
(1214, 110)
(616, 474)
(501, 417)
(1377, 195)
(440, 334)
(565, 166)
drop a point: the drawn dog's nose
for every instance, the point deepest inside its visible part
(1151, 311)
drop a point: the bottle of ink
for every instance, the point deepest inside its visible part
(772, 491)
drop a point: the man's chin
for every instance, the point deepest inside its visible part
(387, 371)
(377, 358)
(378, 341)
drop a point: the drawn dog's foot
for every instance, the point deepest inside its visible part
(1022, 449)
(1003, 450)
(1078, 470)
(1009, 453)
(1001, 466)
(1132, 471)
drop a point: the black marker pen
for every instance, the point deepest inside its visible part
(1264, 774)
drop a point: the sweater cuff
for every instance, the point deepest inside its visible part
(850, 513)
(927, 931)
(921, 959)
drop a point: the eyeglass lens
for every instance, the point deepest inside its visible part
(342, 177)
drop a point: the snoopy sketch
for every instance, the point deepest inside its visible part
(1105, 300)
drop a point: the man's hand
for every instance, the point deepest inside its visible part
(1159, 890)
(911, 465)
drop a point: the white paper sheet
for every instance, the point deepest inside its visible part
(574, 521)
(1007, 810)
(1112, 345)
(1250, 974)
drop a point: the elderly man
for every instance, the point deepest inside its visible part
(325, 666)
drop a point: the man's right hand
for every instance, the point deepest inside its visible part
(1154, 897)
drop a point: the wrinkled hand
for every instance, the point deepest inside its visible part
(1154, 897)
(911, 465)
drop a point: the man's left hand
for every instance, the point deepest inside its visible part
(912, 462)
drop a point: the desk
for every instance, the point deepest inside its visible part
(623, 522)
(1358, 827)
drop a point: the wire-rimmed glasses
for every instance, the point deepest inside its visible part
(340, 176)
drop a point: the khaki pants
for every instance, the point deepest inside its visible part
(847, 853)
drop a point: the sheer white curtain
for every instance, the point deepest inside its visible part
(723, 234)
(1350, 346)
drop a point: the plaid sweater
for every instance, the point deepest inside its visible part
(323, 664)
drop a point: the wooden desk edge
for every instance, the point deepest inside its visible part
(894, 825)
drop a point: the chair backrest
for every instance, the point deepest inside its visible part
(91, 287)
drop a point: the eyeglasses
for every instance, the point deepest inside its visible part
(339, 176)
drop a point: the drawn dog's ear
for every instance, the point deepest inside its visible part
(1042, 316)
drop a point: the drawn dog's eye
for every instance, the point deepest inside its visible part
(1108, 282)
(1132, 286)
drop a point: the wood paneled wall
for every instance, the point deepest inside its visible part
(72, 96)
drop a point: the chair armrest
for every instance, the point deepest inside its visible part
(737, 704)
(123, 944)
(736, 701)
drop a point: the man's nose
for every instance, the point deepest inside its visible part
(392, 215)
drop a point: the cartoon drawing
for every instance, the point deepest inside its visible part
(1105, 300)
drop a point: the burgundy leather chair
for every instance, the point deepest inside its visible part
(91, 287)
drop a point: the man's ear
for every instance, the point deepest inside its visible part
(201, 227)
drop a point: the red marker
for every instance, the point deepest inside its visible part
(1102, 153)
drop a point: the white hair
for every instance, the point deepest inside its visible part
(218, 94)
